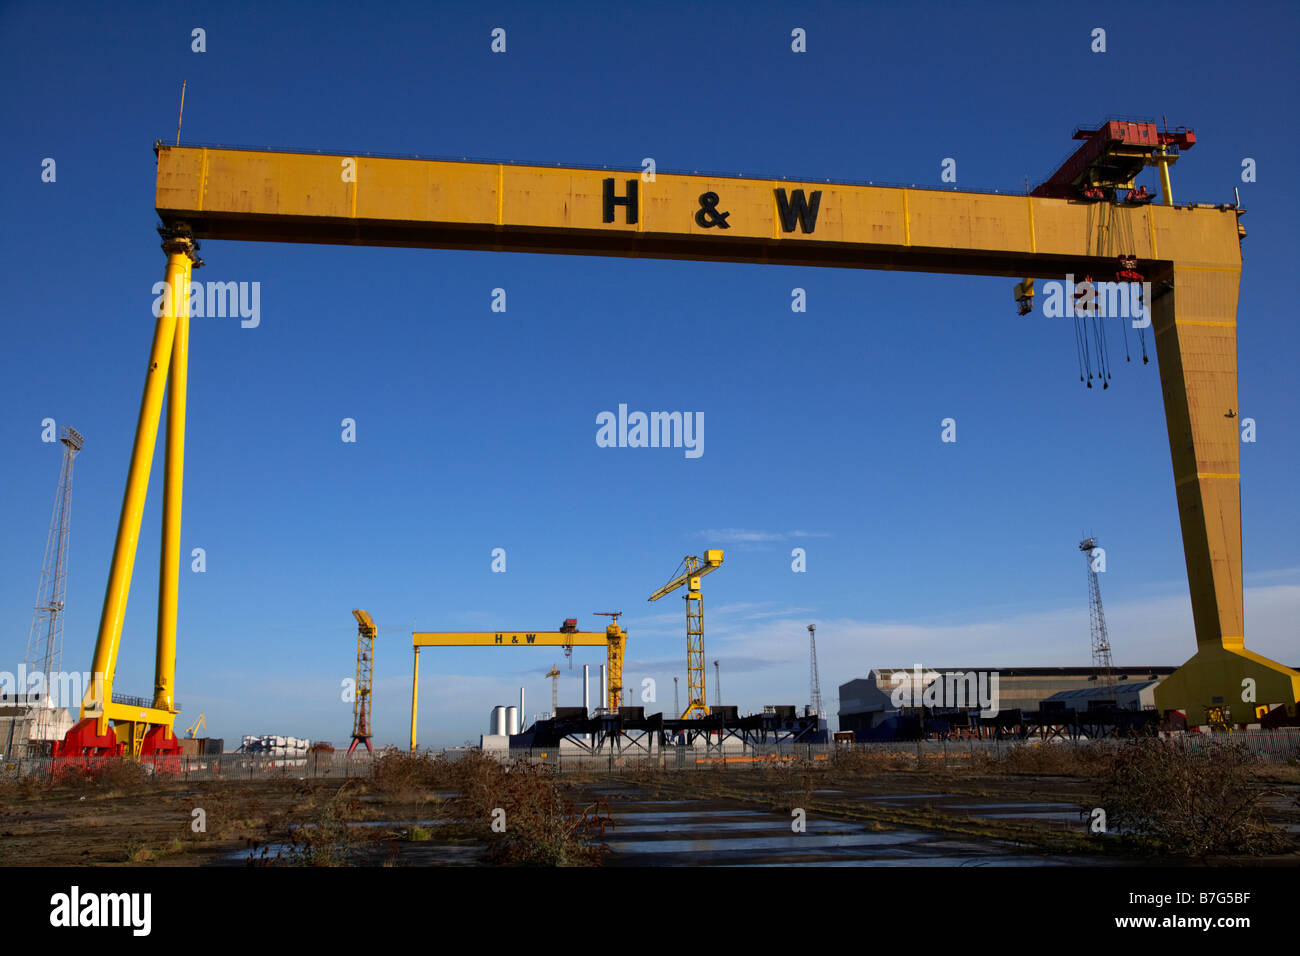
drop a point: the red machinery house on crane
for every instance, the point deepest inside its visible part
(1110, 159)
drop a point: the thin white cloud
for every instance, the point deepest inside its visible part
(749, 536)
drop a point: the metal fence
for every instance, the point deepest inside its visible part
(1280, 746)
(1269, 747)
(231, 767)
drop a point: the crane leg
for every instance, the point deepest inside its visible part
(415, 695)
(173, 485)
(92, 732)
(1198, 372)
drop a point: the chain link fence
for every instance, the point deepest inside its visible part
(1276, 747)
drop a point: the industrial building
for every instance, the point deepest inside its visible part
(28, 726)
(868, 702)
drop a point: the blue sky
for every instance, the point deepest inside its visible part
(476, 429)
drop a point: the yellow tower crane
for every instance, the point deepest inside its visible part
(554, 675)
(696, 568)
(366, 634)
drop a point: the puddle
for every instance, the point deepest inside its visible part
(379, 823)
(908, 796)
(788, 842)
(669, 816)
(1010, 806)
(728, 827)
(954, 861)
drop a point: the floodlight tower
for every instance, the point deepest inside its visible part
(45, 639)
(1097, 618)
(815, 680)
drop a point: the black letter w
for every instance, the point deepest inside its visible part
(798, 208)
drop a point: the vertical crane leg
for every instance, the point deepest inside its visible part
(1197, 351)
(92, 730)
(614, 658)
(170, 562)
(415, 696)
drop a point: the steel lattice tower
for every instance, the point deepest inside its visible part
(366, 634)
(45, 639)
(554, 675)
(814, 678)
(1097, 619)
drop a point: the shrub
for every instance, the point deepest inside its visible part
(1188, 800)
(542, 825)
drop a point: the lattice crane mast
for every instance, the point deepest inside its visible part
(366, 633)
(554, 675)
(695, 568)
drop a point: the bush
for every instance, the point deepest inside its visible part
(853, 762)
(404, 774)
(1091, 759)
(103, 773)
(1194, 801)
(541, 824)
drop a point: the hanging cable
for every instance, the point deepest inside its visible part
(1078, 347)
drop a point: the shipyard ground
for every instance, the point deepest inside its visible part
(887, 816)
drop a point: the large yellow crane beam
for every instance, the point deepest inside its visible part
(696, 568)
(612, 639)
(365, 200)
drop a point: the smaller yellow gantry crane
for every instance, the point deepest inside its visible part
(696, 568)
(612, 639)
(200, 724)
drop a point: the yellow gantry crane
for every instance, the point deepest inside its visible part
(257, 195)
(200, 724)
(612, 639)
(696, 568)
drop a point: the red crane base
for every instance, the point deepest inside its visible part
(82, 746)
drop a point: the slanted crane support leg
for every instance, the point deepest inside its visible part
(142, 728)
(1196, 341)
(415, 695)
